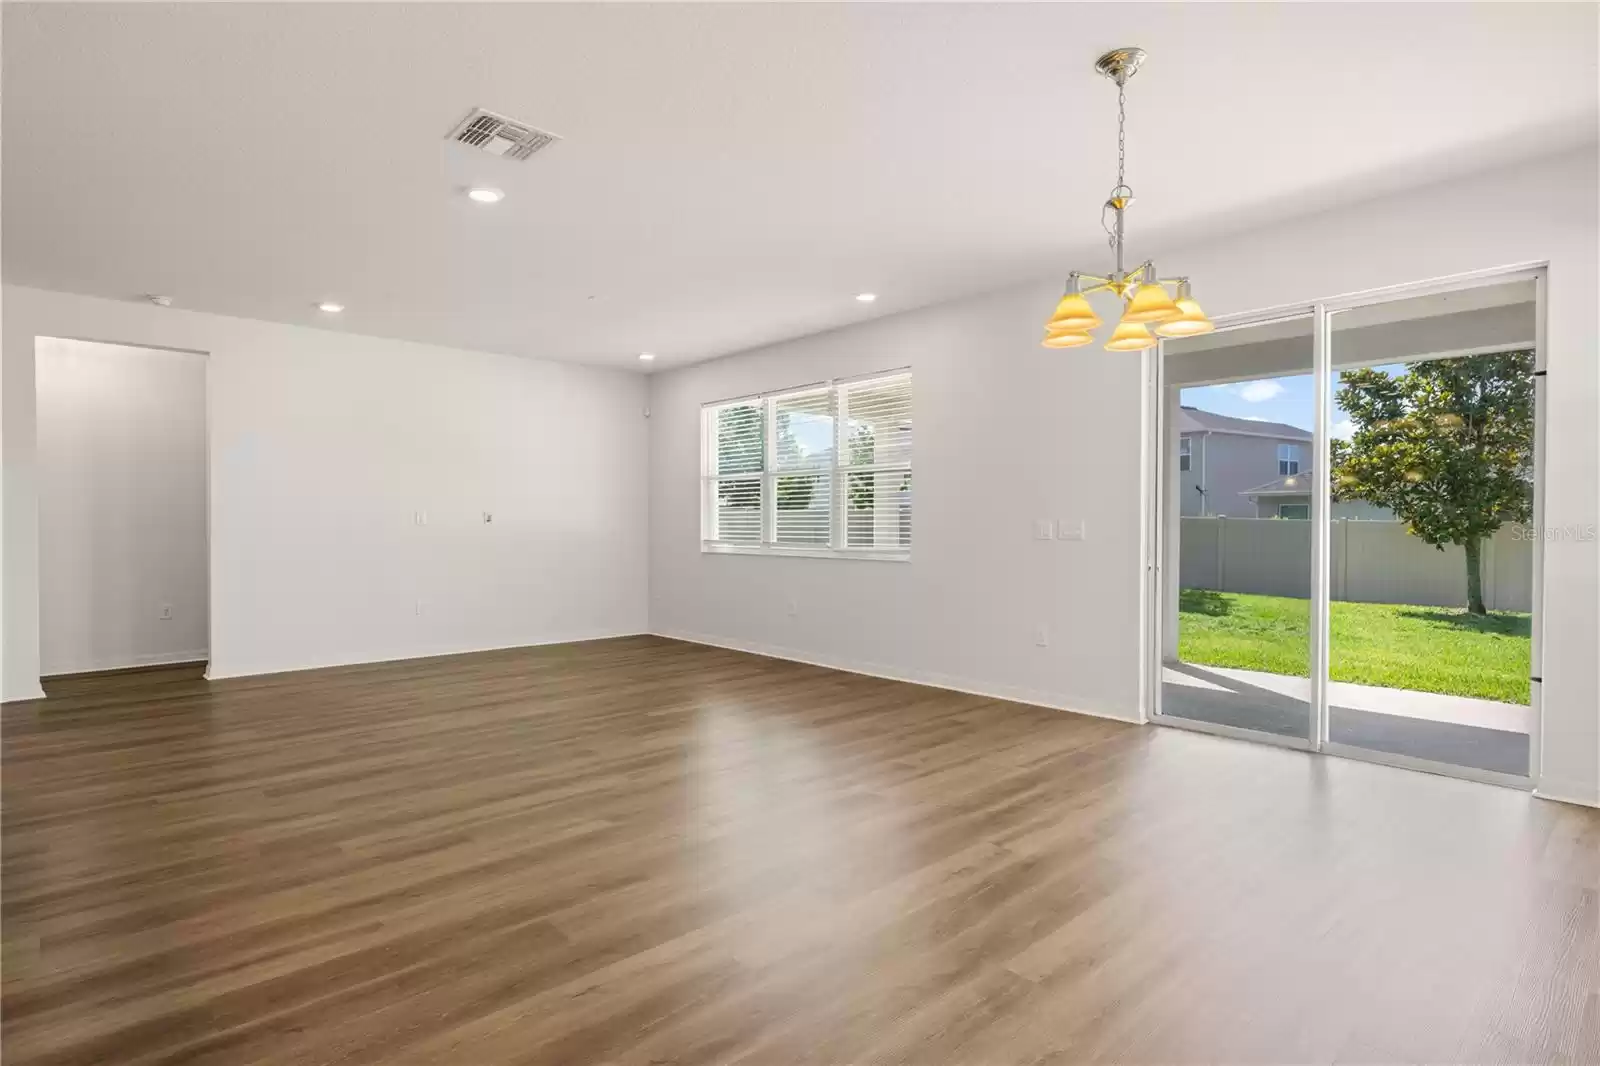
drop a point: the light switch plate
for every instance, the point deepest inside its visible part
(1044, 529)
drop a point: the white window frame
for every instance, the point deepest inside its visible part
(837, 472)
(1185, 451)
(1288, 459)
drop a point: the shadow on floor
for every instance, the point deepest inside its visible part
(1227, 701)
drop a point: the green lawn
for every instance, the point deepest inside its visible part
(1427, 649)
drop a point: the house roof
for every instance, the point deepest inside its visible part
(1288, 485)
(1194, 420)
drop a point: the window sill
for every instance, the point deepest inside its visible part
(806, 553)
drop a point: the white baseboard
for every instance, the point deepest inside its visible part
(213, 674)
(133, 662)
(944, 681)
(1568, 792)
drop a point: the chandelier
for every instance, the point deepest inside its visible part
(1147, 301)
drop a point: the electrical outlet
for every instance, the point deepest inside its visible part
(1041, 636)
(166, 612)
(487, 517)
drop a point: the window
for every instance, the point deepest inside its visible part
(1183, 453)
(824, 469)
(1288, 459)
(1294, 510)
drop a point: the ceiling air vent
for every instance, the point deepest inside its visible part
(501, 136)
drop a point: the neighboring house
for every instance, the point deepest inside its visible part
(1221, 458)
(1290, 497)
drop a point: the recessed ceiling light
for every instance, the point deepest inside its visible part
(330, 307)
(485, 196)
(866, 297)
(645, 357)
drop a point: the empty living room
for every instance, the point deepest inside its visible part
(951, 534)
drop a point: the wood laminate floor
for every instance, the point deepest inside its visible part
(643, 852)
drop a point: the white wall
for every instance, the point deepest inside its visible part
(1008, 432)
(322, 447)
(122, 506)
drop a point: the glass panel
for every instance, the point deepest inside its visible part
(1236, 646)
(878, 425)
(738, 439)
(804, 515)
(804, 430)
(736, 510)
(878, 510)
(1430, 551)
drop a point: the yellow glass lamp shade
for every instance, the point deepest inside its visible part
(1150, 303)
(1066, 339)
(1074, 314)
(1130, 337)
(1191, 321)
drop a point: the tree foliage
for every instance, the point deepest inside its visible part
(1447, 446)
(740, 439)
(794, 490)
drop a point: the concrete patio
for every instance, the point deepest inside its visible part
(1458, 730)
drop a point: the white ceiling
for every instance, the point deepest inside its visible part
(730, 174)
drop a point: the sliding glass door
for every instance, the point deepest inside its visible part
(1240, 413)
(1346, 547)
(1431, 426)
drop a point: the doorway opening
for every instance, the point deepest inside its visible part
(124, 567)
(1346, 524)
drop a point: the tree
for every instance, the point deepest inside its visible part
(863, 486)
(739, 444)
(794, 490)
(1447, 446)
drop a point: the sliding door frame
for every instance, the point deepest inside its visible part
(1164, 528)
(1162, 518)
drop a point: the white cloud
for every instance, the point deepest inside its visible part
(1259, 391)
(1344, 429)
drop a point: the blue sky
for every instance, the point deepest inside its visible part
(1288, 400)
(813, 434)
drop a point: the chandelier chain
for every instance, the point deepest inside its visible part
(1113, 238)
(1122, 136)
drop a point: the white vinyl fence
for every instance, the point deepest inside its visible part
(1372, 562)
